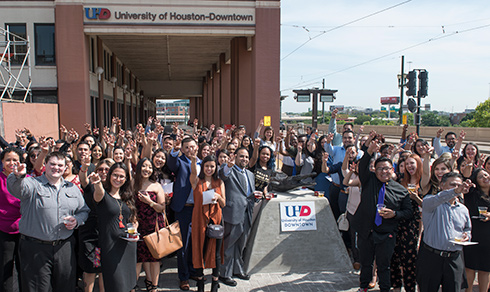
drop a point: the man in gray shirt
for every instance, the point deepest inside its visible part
(51, 208)
(445, 219)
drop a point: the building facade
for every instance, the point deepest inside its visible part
(98, 59)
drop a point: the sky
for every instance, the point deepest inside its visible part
(356, 46)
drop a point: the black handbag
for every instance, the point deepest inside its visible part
(215, 231)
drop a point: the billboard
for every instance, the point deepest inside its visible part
(390, 100)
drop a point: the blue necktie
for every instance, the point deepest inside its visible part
(381, 200)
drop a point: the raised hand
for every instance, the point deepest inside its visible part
(94, 178)
(325, 156)
(455, 154)
(464, 187)
(334, 113)
(439, 132)
(231, 160)
(20, 169)
(256, 142)
(329, 138)
(373, 147)
(88, 128)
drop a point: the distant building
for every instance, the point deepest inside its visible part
(175, 108)
(455, 118)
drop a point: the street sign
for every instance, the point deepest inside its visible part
(383, 109)
(427, 107)
(303, 98)
(404, 119)
(327, 97)
(412, 105)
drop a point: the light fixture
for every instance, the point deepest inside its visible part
(125, 86)
(113, 80)
(99, 71)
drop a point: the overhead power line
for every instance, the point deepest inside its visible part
(444, 35)
(345, 24)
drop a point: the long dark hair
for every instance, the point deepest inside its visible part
(163, 172)
(270, 162)
(462, 157)
(138, 179)
(473, 177)
(30, 166)
(126, 191)
(208, 158)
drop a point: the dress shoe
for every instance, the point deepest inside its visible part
(242, 276)
(184, 285)
(357, 266)
(227, 281)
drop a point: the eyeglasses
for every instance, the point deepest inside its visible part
(118, 176)
(383, 169)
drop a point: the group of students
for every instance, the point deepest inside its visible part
(80, 195)
(410, 206)
(390, 194)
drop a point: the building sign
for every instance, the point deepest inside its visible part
(175, 15)
(298, 216)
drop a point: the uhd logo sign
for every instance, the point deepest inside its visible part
(296, 210)
(97, 13)
(296, 216)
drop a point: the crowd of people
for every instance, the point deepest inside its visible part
(67, 205)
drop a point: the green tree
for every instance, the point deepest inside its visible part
(435, 120)
(361, 119)
(481, 116)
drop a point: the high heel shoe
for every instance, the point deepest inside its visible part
(214, 286)
(200, 285)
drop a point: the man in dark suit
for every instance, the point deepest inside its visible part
(237, 214)
(183, 203)
(383, 203)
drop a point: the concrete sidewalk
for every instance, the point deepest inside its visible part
(312, 281)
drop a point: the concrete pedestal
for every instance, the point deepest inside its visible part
(271, 250)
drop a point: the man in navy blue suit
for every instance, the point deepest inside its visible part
(183, 204)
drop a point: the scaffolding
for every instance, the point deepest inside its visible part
(15, 68)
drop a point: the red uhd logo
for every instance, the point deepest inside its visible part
(97, 13)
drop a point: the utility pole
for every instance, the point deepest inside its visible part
(323, 104)
(402, 87)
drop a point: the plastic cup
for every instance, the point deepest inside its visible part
(412, 187)
(379, 207)
(131, 230)
(258, 195)
(321, 194)
(482, 210)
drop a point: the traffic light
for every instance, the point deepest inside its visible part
(412, 83)
(423, 83)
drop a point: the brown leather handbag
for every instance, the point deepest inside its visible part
(164, 241)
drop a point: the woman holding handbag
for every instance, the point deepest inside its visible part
(209, 199)
(150, 202)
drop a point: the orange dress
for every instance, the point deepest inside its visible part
(201, 216)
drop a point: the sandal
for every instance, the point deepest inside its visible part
(184, 285)
(148, 284)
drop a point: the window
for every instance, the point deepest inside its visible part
(18, 47)
(45, 49)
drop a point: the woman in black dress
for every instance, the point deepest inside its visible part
(115, 209)
(88, 234)
(477, 257)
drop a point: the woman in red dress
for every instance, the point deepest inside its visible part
(150, 201)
